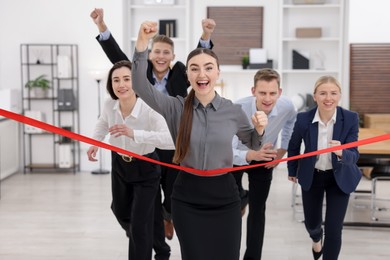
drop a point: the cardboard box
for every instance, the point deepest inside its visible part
(314, 32)
(378, 121)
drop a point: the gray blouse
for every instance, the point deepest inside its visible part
(213, 126)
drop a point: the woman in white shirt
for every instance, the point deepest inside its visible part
(132, 126)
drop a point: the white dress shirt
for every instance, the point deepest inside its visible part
(325, 135)
(150, 128)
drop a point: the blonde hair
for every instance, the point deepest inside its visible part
(326, 79)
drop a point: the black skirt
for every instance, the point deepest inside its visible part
(207, 216)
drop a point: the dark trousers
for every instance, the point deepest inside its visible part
(207, 218)
(168, 177)
(336, 207)
(259, 185)
(134, 187)
(161, 248)
(163, 208)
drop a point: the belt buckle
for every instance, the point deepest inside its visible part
(127, 158)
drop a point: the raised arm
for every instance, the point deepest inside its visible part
(169, 107)
(106, 40)
(141, 85)
(208, 26)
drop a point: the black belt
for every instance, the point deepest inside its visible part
(326, 171)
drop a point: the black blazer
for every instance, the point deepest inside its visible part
(177, 83)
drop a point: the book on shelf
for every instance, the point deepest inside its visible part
(167, 27)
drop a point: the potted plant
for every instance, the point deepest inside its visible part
(245, 61)
(39, 85)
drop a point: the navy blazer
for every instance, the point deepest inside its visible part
(346, 129)
(177, 83)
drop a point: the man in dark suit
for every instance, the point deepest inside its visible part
(171, 81)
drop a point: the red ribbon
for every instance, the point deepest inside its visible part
(81, 138)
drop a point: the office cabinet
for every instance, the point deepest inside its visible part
(59, 63)
(9, 147)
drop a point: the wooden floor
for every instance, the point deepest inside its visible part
(67, 217)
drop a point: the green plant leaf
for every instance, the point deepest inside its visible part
(39, 82)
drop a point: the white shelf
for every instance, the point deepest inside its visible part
(322, 39)
(159, 7)
(236, 69)
(174, 39)
(321, 6)
(297, 71)
(138, 12)
(330, 18)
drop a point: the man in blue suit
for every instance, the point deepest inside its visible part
(334, 175)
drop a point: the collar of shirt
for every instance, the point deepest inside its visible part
(318, 119)
(215, 103)
(164, 79)
(136, 109)
(161, 85)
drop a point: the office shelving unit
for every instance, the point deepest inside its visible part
(330, 47)
(44, 150)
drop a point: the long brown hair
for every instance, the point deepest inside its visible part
(184, 134)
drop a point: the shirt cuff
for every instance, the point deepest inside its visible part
(205, 44)
(104, 36)
(240, 157)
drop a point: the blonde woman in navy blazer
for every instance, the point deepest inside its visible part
(334, 175)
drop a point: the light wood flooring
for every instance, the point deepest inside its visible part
(65, 216)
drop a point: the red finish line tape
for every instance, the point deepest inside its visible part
(84, 139)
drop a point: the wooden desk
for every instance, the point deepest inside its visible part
(373, 150)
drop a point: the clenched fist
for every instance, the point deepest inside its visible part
(208, 26)
(260, 121)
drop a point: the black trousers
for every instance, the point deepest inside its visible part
(161, 248)
(168, 178)
(134, 187)
(324, 184)
(207, 216)
(163, 207)
(259, 179)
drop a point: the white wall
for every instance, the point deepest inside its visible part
(369, 21)
(49, 21)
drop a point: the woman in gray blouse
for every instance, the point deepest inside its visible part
(205, 210)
